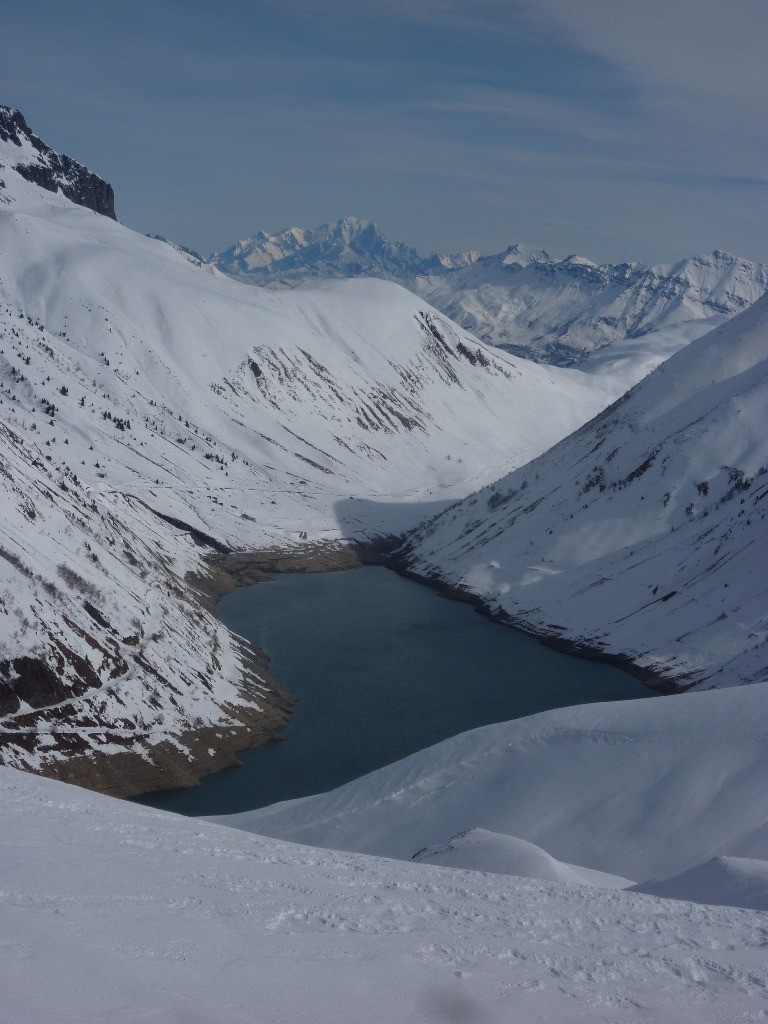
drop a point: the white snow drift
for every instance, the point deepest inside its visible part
(638, 789)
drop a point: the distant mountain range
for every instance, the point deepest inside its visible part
(523, 299)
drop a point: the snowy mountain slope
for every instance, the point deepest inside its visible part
(638, 789)
(111, 673)
(142, 390)
(644, 533)
(722, 881)
(130, 914)
(631, 359)
(524, 300)
(355, 387)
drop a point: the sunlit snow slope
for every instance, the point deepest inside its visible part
(644, 533)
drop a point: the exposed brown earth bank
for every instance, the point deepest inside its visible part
(149, 766)
(135, 762)
(142, 762)
(233, 569)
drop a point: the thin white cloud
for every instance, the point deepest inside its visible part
(706, 58)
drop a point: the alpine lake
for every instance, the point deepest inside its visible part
(381, 666)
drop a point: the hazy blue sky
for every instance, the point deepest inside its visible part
(610, 128)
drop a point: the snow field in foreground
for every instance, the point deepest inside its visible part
(116, 912)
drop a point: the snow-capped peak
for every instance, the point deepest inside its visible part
(350, 247)
(521, 255)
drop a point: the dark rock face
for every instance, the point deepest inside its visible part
(33, 681)
(56, 172)
(81, 186)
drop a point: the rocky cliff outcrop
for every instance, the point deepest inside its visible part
(56, 172)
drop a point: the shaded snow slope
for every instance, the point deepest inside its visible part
(644, 533)
(633, 788)
(477, 849)
(723, 881)
(147, 402)
(117, 912)
(630, 359)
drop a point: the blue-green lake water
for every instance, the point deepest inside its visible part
(381, 667)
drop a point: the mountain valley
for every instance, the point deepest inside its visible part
(580, 451)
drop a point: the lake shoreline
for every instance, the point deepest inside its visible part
(227, 571)
(654, 680)
(234, 569)
(381, 670)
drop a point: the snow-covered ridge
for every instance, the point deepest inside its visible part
(524, 300)
(644, 533)
(559, 312)
(148, 403)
